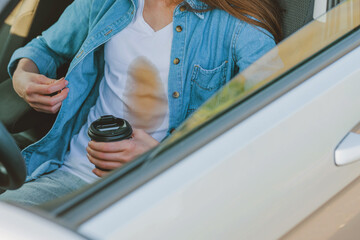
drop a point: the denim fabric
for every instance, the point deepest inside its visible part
(44, 189)
(212, 48)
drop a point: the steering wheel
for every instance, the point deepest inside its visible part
(12, 164)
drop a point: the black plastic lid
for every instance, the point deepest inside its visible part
(110, 129)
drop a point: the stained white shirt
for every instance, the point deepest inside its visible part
(134, 87)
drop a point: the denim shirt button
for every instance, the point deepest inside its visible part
(182, 8)
(178, 28)
(176, 61)
(176, 94)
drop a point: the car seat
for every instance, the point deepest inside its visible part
(296, 14)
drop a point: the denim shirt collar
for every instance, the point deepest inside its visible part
(198, 5)
(195, 4)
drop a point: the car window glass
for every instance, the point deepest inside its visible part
(289, 54)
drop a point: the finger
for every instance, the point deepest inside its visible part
(116, 157)
(48, 100)
(57, 86)
(47, 89)
(46, 109)
(100, 173)
(43, 80)
(37, 109)
(111, 147)
(104, 164)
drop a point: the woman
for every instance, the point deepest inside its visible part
(152, 62)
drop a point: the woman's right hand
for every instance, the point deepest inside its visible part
(41, 93)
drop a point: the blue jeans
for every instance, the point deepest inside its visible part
(46, 188)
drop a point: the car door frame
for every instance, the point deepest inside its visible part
(86, 204)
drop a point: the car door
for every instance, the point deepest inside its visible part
(264, 164)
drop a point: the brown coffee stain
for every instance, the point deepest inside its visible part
(145, 95)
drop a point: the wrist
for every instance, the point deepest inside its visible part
(26, 65)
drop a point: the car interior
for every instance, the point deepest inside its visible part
(30, 17)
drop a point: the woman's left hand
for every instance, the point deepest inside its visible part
(112, 155)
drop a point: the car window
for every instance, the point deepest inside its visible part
(315, 41)
(303, 45)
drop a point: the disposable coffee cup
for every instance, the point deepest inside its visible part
(109, 129)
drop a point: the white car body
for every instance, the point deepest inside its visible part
(277, 172)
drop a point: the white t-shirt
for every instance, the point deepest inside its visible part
(134, 87)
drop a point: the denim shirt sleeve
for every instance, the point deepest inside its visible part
(250, 44)
(59, 43)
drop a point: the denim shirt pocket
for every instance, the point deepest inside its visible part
(204, 83)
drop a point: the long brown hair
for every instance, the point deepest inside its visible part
(268, 13)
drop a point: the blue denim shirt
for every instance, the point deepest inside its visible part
(211, 48)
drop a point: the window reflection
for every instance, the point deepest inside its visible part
(293, 51)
